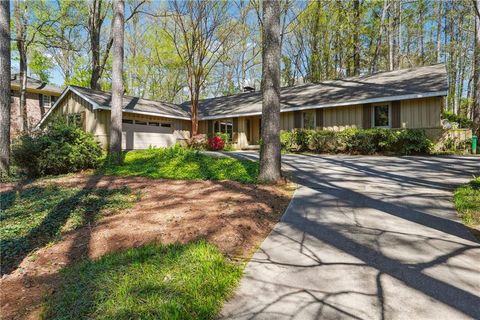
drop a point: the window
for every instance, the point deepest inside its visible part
(153, 124)
(308, 119)
(47, 102)
(166, 125)
(75, 118)
(141, 122)
(127, 121)
(381, 116)
(223, 126)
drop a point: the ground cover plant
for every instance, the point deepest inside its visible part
(467, 201)
(35, 216)
(184, 164)
(235, 217)
(188, 281)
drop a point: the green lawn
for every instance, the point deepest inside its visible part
(35, 216)
(467, 202)
(183, 164)
(153, 282)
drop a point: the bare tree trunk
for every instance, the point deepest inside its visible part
(394, 24)
(95, 22)
(356, 38)
(391, 33)
(373, 65)
(20, 25)
(5, 77)
(476, 72)
(439, 30)
(315, 59)
(117, 82)
(421, 42)
(194, 99)
(270, 156)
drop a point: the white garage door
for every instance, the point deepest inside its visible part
(141, 135)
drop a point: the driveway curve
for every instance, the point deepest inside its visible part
(366, 238)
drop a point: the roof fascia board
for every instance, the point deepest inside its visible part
(147, 113)
(93, 103)
(36, 90)
(339, 104)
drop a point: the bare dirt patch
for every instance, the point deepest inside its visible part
(234, 216)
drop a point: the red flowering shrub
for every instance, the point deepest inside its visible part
(216, 143)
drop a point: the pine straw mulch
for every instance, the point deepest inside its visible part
(234, 216)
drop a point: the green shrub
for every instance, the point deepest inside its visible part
(413, 141)
(463, 122)
(224, 136)
(356, 141)
(296, 140)
(326, 141)
(362, 142)
(60, 148)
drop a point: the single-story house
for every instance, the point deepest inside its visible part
(408, 98)
(40, 97)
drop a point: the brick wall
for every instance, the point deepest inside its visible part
(34, 112)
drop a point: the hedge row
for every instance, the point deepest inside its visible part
(357, 141)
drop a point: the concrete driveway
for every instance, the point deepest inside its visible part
(366, 238)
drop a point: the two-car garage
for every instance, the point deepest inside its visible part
(137, 134)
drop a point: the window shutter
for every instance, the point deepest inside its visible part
(367, 116)
(319, 118)
(396, 112)
(210, 127)
(235, 124)
(297, 119)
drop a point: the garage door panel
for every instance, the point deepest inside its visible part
(142, 136)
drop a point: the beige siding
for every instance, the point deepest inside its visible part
(98, 122)
(287, 121)
(341, 118)
(202, 127)
(421, 113)
(241, 137)
(73, 104)
(254, 130)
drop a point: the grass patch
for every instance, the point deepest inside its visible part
(35, 216)
(467, 202)
(153, 282)
(183, 164)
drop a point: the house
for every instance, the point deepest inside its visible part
(40, 97)
(408, 98)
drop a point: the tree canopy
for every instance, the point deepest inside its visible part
(70, 41)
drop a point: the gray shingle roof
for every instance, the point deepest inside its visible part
(34, 84)
(102, 100)
(385, 86)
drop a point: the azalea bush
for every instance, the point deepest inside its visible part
(216, 143)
